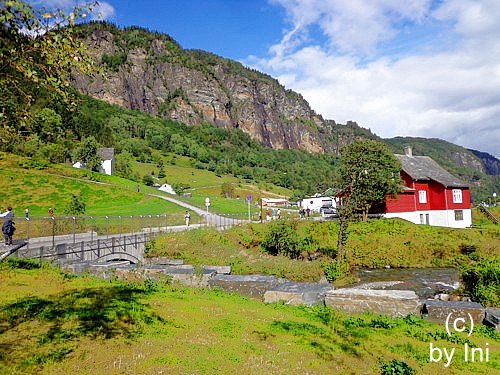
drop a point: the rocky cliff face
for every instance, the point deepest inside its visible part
(152, 73)
(194, 87)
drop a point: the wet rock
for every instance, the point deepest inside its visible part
(438, 311)
(298, 293)
(377, 285)
(386, 302)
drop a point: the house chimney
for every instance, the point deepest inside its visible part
(408, 151)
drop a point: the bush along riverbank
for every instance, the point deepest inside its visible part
(305, 250)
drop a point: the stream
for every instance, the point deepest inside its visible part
(425, 282)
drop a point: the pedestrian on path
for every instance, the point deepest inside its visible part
(187, 216)
(8, 230)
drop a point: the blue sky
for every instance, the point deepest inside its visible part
(401, 68)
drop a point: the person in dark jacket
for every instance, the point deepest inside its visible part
(8, 230)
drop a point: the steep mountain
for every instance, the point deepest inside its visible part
(491, 164)
(152, 73)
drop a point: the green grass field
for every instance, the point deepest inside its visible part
(39, 190)
(52, 323)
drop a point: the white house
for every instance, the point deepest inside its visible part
(317, 201)
(108, 161)
(167, 189)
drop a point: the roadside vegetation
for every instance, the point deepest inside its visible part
(51, 322)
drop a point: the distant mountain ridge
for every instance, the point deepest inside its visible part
(152, 73)
(490, 163)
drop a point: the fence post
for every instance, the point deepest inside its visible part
(53, 230)
(28, 232)
(107, 226)
(91, 229)
(121, 226)
(158, 224)
(74, 229)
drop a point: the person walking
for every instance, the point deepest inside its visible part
(187, 216)
(8, 230)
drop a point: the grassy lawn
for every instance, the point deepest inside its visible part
(207, 183)
(52, 323)
(52, 187)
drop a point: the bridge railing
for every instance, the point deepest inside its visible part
(76, 226)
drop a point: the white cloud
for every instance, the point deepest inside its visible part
(443, 83)
(103, 11)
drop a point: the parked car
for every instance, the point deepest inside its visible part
(327, 211)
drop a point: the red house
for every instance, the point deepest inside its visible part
(430, 195)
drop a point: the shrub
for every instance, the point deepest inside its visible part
(336, 269)
(482, 281)
(148, 180)
(179, 188)
(396, 367)
(75, 206)
(34, 164)
(281, 238)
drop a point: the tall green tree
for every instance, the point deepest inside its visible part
(367, 172)
(38, 51)
(86, 153)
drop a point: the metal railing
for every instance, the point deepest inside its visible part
(73, 228)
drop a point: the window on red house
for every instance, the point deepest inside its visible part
(422, 196)
(457, 195)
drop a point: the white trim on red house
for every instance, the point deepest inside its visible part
(440, 218)
(430, 196)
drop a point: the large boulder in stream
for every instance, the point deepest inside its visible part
(440, 311)
(386, 302)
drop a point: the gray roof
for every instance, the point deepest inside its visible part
(106, 153)
(424, 168)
